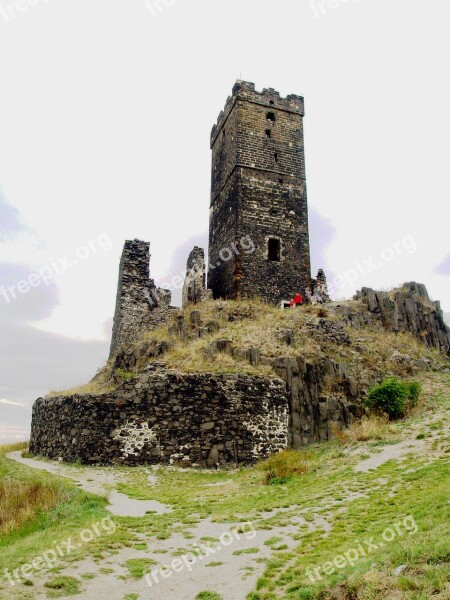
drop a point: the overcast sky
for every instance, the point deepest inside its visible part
(106, 109)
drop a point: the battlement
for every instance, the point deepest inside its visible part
(245, 90)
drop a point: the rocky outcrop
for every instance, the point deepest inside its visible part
(408, 309)
(204, 419)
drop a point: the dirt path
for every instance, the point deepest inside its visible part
(101, 482)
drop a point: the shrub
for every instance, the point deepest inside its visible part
(123, 376)
(282, 467)
(393, 397)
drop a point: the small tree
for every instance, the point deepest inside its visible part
(393, 397)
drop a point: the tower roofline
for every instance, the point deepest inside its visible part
(245, 90)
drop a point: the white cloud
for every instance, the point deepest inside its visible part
(11, 402)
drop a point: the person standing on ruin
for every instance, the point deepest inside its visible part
(296, 301)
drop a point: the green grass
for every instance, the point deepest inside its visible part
(208, 596)
(320, 504)
(246, 551)
(71, 512)
(63, 586)
(139, 567)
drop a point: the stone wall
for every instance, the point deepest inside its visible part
(194, 288)
(205, 419)
(165, 417)
(140, 305)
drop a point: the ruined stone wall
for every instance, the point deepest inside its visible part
(194, 288)
(206, 419)
(259, 191)
(139, 304)
(165, 417)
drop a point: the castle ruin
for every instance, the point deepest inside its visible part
(258, 246)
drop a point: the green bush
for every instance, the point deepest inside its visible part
(123, 376)
(393, 397)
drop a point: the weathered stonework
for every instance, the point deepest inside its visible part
(140, 305)
(259, 191)
(164, 417)
(194, 289)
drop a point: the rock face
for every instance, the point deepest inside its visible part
(194, 289)
(140, 305)
(409, 308)
(164, 417)
(172, 418)
(322, 398)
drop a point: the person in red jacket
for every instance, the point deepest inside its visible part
(297, 300)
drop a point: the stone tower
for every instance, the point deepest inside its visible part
(258, 192)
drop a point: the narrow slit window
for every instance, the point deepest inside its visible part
(274, 249)
(275, 157)
(268, 133)
(271, 117)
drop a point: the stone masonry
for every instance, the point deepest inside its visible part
(140, 305)
(259, 190)
(164, 417)
(194, 289)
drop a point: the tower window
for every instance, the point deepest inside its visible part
(275, 157)
(268, 133)
(274, 249)
(272, 102)
(271, 117)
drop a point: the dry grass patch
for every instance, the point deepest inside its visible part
(93, 387)
(21, 500)
(368, 428)
(283, 466)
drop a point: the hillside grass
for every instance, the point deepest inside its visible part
(316, 491)
(254, 323)
(39, 510)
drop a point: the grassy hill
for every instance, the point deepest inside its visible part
(374, 502)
